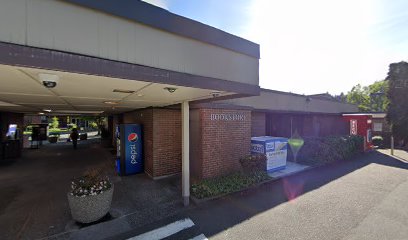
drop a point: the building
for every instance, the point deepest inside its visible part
(194, 88)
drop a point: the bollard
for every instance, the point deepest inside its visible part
(392, 145)
(365, 145)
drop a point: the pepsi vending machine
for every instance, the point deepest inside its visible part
(129, 149)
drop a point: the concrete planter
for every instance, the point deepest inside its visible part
(83, 136)
(90, 208)
(52, 139)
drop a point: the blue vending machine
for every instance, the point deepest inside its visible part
(275, 150)
(129, 145)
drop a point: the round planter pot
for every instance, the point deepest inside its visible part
(90, 208)
(52, 139)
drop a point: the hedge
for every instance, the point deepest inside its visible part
(227, 184)
(319, 151)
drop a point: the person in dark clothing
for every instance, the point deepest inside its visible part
(74, 137)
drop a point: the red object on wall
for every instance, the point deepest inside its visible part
(361, 124)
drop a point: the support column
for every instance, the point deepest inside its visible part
(185, 131)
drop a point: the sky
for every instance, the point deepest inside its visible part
(313, 46)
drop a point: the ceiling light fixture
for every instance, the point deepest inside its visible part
(47, 110)
(140, 95)
(170, 89)
(123, 91)
(215, 94)
(41, 113)
(111, 102)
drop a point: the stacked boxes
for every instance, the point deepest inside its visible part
(275, 149)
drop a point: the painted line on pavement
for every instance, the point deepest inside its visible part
(165, 231)
(199, 237)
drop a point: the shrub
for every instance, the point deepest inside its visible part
(253, 162)
(71, 126)
(378, 141)
(227, 184)
(319, 151)
(93, 125)
(55, 123)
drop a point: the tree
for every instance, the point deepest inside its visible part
(359, 96)
(397, 113)
(99, 120)
(55, 123)
(372, 98)
(378, 96)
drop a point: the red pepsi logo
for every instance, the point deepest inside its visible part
(132, 137)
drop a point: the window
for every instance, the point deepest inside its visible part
(377, 127)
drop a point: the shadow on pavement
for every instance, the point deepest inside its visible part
(237, 208)
(33, 200)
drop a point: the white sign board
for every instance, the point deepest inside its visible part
(353, 127)
(275, 150)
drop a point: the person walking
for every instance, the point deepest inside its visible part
(74, 137)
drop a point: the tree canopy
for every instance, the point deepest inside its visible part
(397, 113)
(372, 98)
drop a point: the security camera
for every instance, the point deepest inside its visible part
(49, 84)
(215, 94)
(48, 80)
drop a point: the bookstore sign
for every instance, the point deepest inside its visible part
(227, 117)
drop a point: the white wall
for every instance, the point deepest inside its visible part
(62, 26)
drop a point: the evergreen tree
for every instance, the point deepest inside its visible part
(397, 113)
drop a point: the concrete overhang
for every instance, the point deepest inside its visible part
(23, 91)
(162, 19)
(88, 83)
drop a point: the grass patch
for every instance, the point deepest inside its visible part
(227, 184)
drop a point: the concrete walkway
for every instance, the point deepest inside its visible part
(291, 168)
(398, 154)
(364, 198)
(33, 201)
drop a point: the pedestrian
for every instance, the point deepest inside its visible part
(74, 137)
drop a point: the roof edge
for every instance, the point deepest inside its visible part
(162, 19)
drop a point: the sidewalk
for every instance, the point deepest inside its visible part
(399, 154)
(33, 201)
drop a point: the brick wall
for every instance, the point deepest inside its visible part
(258, 124)
(221, 143)
(161, 139)
(166, 141)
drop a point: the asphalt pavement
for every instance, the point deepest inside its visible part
(363, 198)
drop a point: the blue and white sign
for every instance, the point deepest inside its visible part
(133, 148)
(130, 158)
(275, 149)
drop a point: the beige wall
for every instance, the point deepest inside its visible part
(276, 101)
(62, 26)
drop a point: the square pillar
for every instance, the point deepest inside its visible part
(185, 165)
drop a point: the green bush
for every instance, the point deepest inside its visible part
(253, 162)
(93, 125)
(319, 151)
(227, 184)
(55, 123)
(378, 141)
(71, 126)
